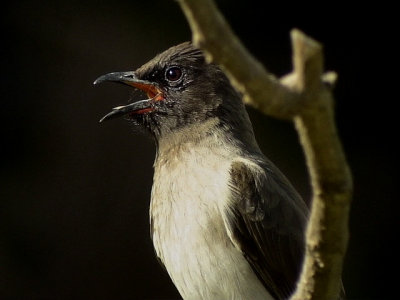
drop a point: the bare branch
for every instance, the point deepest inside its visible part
(304, 96)
(327, 233)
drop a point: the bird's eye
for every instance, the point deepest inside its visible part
(173, 74)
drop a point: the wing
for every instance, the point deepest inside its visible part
(266, 220)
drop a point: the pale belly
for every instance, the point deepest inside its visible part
(190, 238)
(204, 264)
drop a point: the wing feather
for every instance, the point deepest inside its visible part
(266, 220)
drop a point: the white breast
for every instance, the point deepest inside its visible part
(189, 235)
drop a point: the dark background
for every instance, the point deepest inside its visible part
(74, 193)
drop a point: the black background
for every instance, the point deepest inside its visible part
(74, 193)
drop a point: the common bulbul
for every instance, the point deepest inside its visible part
(225, 222)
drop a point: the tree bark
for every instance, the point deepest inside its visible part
(305, 97)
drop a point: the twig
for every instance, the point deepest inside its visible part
(305, 97)
(327, 232)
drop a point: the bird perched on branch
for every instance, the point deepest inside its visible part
(225, 222)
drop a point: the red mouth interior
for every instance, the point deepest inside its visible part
(141, 111)
(152, 91)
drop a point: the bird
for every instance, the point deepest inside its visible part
(224, 220)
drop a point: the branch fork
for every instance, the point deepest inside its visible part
(305, 97)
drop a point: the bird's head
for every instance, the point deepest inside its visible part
(182, 89)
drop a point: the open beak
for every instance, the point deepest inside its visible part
(139, 107)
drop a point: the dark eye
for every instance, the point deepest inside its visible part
(173, 74)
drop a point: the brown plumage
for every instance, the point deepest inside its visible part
(225, 222)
